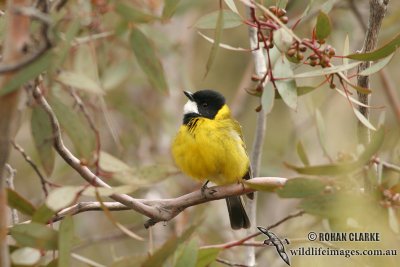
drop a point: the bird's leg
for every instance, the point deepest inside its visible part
(205, 188)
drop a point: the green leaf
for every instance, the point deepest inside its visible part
(376, 66)
(105, 192)
(232, 6)
(77, 129)
(25, 256)
(143, 176)
(302, 154)
(321, 205)
(373, 147)
(27, 73)
(282, 40)
(321, 131)
(62, 197)
(43, 214)
(18, 202)
(35, 235)
(188, 257)
(168, 248)
(379, 53)
(301, 90)
(217, 39)
(363, 119)
(323, 27)
(42, 134)
(326, 71)
(301, 188)
(80, 81)
(135, 15)
(210, 21)
(64, 48)
(65, 241)
(115, 75)
(112, 164)
(327, 169)
(286, 87)
(147, 60)
(342, 168)
(169, 9)
(267, 98)
(206, 256)
(327, 6)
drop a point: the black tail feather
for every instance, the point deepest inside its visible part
(237, 214)
(248, 176)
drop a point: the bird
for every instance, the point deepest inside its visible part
(209, 146)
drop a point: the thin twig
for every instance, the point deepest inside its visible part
(43, 180)
(243, 240)
(228, 263)
(387, 165)
(10, 184)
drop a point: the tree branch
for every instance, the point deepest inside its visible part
(260, 67)
(377, 13)
(156, 210)
(43, 180)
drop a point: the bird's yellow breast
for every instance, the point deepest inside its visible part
(212, 150)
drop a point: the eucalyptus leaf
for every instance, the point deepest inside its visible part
(301, 188)
(35, 235)
(210, 21)
(147, 59)
(379, 53)
(323, 27)
(42, 133)
(18, 202)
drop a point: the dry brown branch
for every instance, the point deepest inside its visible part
(156, 210)
(377, 13)
(169, 208)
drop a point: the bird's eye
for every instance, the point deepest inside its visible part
(204, 105)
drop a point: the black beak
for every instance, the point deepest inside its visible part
(189, 95)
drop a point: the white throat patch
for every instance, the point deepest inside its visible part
(190, 107)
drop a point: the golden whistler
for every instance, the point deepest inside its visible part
(209, 147)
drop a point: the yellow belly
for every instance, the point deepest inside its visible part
(213, 151)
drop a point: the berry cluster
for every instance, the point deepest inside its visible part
(279, 12)
(318, 57)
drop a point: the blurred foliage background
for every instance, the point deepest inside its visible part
(137, 122)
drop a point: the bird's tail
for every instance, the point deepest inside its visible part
(237, 213)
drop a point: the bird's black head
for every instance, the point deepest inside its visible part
(204, 103)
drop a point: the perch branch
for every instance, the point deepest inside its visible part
(156, 210)
(169, 208)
